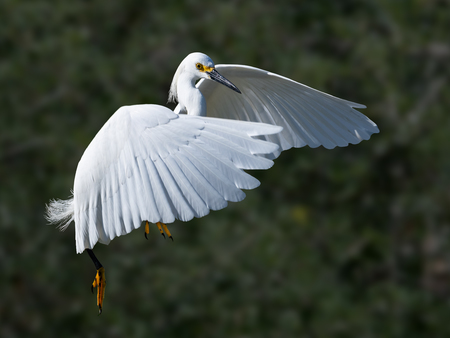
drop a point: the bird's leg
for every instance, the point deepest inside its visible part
(99, 280)
(165, 229)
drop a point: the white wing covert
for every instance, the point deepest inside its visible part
(308, 116)
(148, 163)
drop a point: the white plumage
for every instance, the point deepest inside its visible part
(149, 163)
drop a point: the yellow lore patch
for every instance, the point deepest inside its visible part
(208, 69)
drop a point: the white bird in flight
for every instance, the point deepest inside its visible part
(151, 164)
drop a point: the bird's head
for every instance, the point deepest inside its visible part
(199, 66)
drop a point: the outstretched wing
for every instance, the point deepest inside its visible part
(308, 116)
(148, 163)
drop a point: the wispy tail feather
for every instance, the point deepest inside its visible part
(60, 213)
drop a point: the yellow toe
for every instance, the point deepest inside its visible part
(167, 231)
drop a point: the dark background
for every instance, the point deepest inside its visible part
(352, 242)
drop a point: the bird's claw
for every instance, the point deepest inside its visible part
(99, 283)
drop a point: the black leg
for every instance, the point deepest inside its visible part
(97, 263)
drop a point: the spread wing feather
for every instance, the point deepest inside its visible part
(148, 163)
(308, 116)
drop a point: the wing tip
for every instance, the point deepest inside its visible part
(358, 105)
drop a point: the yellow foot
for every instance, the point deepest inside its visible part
(99, 283)
(147, 230)
(160, 227)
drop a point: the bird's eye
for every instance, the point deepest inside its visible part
(199, 66)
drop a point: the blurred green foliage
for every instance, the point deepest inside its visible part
(352, 242)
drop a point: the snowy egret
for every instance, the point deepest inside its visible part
(151, 164)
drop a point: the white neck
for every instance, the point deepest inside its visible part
(189, 97)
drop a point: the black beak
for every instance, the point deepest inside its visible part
(214, 75)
